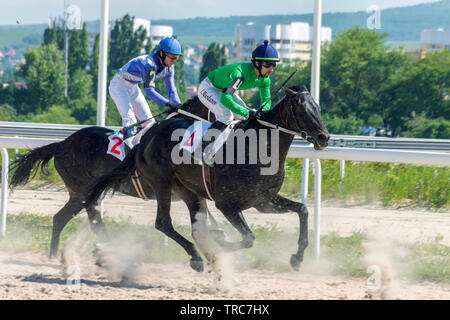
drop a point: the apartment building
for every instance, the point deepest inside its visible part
(292, 40)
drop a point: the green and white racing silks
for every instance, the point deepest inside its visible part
(222, 77)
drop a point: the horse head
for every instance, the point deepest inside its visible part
(302, 115)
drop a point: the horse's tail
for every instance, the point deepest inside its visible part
(27, 164)
(114, 178)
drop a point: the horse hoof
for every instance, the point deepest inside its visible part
(295, 263)
(197, 265)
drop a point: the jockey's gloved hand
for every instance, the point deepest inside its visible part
(173, 107)
(253, 115)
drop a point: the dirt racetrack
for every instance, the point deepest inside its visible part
(25, 275)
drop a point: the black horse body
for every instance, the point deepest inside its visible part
(234, 187)
(80, 159)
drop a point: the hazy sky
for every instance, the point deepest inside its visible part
(38, 11)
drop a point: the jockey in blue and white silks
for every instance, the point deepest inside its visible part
(145, 69)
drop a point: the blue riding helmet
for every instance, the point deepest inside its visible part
(170, 45)
(265, 52)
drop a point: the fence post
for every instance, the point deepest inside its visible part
(342, 169)
(317, 203)
(5, 169)
(305, 176)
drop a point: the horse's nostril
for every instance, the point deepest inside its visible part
(323, 137)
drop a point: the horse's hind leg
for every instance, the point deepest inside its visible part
(96, 222)
(99, 229)
(60, 219)
(282, 205)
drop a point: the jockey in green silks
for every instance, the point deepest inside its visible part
(218, 91)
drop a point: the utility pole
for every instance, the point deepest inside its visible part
(102, 64)
(72, 21)
(315, 92)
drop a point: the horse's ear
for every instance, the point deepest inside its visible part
(303, 89)
(290, 93)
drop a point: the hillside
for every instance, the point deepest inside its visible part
(402, 24)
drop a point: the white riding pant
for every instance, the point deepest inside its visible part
(210, 97)
(130, 103)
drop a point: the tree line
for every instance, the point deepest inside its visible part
(364, 82)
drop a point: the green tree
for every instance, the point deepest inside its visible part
(125, 43)
(7, 93)
(80, 85)
(78, 50)
(93, 64)
(421, 87)
(55, 114)
(420, 126)
(352, 70)
(43, 71)
(55, 33)
(213, 58)
(7, 113)
(83, 110)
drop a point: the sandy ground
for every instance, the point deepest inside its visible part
(25, 275)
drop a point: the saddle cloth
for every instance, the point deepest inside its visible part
(192, 139)
(116, 147)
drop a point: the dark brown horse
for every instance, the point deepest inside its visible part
(235, 185)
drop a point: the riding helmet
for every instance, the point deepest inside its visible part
(170, 45)
(265, 52)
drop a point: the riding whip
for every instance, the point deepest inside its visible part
(141, 122)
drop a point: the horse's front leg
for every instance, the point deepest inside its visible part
(280, 204)
(234, 215)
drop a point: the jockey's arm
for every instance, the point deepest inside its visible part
(150, 91)
(152, 94)
(264, 94)
(172, 92)
(227, 99)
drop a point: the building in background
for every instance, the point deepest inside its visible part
(247, 37)
(432, 40)
(292, 40)
(154, 33)
(157, 33)
(139, 22)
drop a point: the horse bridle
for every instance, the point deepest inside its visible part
(298, 131)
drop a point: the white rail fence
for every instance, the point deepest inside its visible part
(297, 151)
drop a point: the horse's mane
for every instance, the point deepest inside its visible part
(190, 102)
(296, 88)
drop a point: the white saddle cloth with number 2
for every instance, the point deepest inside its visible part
(116, 147)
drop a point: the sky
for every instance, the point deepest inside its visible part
(39, 11)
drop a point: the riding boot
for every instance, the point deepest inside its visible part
(206, 145)
(128, 137)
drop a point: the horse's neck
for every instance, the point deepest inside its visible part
(276, 116)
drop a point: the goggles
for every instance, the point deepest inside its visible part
(172, 56)
(267, 64)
